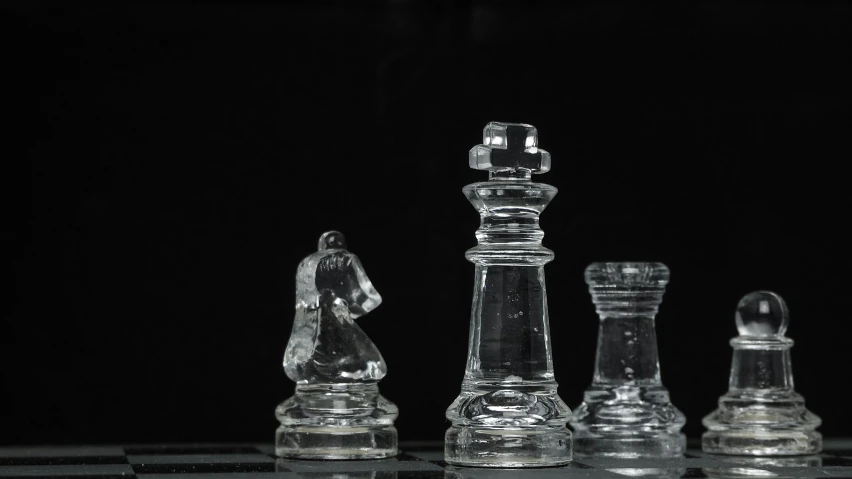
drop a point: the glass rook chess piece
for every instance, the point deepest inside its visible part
(761, 415)
(626, 412)
(508, 413)
(337, 411)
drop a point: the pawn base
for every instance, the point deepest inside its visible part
(307, 442)
(639, 445)
(761, 443)
(501, 447)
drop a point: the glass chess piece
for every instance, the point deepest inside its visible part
(337, 411)
(761, 414)
(508, 413)
(737, 467)
(626, 412)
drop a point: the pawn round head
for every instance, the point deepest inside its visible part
(331, 240)
(762, 314)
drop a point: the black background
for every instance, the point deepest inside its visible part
(185, 157)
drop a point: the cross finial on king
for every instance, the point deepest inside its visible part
(509, 150)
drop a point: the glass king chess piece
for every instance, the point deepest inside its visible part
(337, 411)
(761, 415)
(626, 412)
(508, 413)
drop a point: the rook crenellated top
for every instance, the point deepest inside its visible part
(627, 289)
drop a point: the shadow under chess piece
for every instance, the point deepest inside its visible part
(508, 413)
(626, 412)
(337, 411)
(762, 415)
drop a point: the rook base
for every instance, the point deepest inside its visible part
(762, 443)
(636, 445)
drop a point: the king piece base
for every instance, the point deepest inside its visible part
(317, 442)
(503, 447)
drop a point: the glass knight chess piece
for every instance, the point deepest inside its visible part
(337, 411)
(626, 412)
(508, 413)
(761, 414)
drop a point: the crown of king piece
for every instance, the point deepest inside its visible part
(509, 146)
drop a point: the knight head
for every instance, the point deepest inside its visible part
(340, 275)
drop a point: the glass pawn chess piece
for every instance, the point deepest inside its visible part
(508, 413)
(761, 414)
(626, 412)
(337, 411)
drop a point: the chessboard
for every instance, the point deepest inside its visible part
(416, 461)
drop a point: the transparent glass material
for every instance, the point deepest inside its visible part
(337, 411)
(652, 472)
(738, 467)
(761, 414)
(626, 412)
(508, 413)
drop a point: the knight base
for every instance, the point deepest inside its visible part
(336, 421)
(762, 443)
(500, 447)
(312, 442)
(634, 445)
